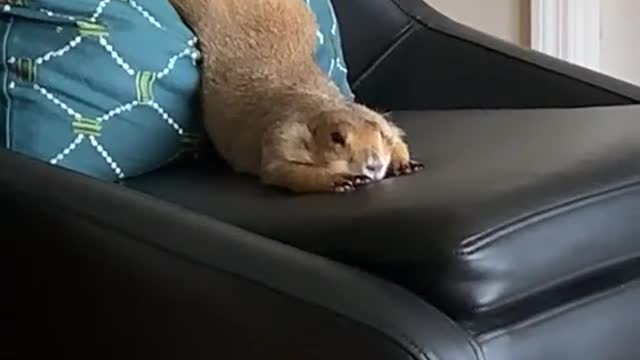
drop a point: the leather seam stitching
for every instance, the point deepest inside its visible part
(473, 244)
(556, 312)
(398, 40)
(568, 278)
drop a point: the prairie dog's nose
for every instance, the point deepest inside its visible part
(374, 167)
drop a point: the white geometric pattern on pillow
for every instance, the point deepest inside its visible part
(88, 128)
(337, 61)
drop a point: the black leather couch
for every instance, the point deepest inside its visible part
(521, 240)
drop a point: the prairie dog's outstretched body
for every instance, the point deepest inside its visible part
(271, 111)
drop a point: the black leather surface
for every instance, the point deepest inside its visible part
(603, 326)
(101, 272)
(368, 30)
(436, 63)
(512, 204)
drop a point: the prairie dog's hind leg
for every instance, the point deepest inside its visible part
(304, 178)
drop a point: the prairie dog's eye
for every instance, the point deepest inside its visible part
(338, 138)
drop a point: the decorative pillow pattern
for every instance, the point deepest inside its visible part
(109, 88)
(103, 87)
(329, 55)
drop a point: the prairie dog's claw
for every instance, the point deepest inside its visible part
(348, 182)
(361, 180)
(405, 168)
(343, 187)
(415, 166)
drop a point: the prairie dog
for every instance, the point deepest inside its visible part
(269, 109)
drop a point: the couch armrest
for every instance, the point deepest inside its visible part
(437, 63)
(108, 270)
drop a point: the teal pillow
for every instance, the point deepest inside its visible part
(329, 54)
(106, 88)
(109, 88)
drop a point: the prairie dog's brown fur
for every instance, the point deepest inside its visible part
(271, 111)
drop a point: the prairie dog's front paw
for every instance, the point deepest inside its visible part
(401, 162)
(342, 183)
(404, 167)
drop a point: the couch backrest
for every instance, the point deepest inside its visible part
(369, 28)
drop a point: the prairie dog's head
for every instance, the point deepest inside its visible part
(353, 140)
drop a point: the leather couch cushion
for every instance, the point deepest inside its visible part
(514, 205)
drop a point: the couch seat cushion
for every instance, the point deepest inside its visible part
(515, 205)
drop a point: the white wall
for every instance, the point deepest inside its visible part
(511, 20)
(620, 42)
(506, 19)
